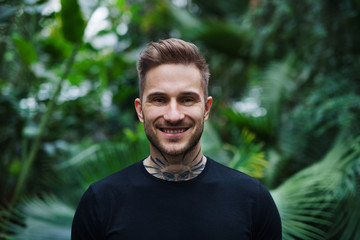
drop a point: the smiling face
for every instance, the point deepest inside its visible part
(173, 108)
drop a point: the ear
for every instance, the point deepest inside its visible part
(208, 105)
(138, 109)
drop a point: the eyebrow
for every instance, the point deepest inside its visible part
(154, 94)
(189, 93)
(185, 93)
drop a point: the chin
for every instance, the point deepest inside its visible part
(177, 149)
(174, 147)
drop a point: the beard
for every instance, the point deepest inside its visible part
(174, 147)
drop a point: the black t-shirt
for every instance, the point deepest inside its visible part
(220, 203)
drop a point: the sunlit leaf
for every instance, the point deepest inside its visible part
(248, 155)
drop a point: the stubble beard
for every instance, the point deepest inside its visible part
(170, 150)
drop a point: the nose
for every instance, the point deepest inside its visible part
(173, 113)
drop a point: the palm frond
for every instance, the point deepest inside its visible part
(347, 219)
(310, 202)
(9, 216)
(45, 219)
(55, 213)
(102, 159)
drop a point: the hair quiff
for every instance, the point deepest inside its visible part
(171, 51)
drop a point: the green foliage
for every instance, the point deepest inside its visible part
(294, 68)
(26, 50)
(261, 126)
(317, 210)
(248, 156)
(73, 25)
(112, 156)
(212, 145)
(50, 214)
(234, 42)
(6, 13)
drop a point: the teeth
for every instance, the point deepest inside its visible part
(174, 130)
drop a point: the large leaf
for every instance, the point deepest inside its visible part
(73, 25)
(227, 39)
(26, 50)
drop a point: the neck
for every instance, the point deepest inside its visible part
(175, 168)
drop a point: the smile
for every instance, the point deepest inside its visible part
(173, 130)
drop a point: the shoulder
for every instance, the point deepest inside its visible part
(231, 175)
(117, 180)
(238, 182)
(266, 218)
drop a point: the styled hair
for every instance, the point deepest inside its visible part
(171, 51)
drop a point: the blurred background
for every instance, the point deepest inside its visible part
(284, 77)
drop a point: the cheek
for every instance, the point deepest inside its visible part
(151, 114)
(195, 113)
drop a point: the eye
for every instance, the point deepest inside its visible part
(187, 100)
(158, 100)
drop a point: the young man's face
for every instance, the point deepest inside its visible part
(173, 108)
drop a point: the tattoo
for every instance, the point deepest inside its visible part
(196, 156)
(157, 161)
(185, 170)
(169, 176)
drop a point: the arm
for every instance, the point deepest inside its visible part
(86, 224)
(267, 222)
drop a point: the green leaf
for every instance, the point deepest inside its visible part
(73, 25)
(226, 38)
(26, 50)
(248, 156)
(15, 167)
(75, 79)
(121, 4)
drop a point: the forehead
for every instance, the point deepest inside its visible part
(173, 79)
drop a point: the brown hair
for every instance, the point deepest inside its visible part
(171, 51)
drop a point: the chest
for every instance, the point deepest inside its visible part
(206, 213)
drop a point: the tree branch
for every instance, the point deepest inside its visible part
(26, 167)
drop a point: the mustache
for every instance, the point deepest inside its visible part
(161, 123)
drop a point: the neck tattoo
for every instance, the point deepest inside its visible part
(181, 171)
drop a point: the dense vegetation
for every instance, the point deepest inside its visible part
(284, 76)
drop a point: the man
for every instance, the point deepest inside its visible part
(176, 192)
